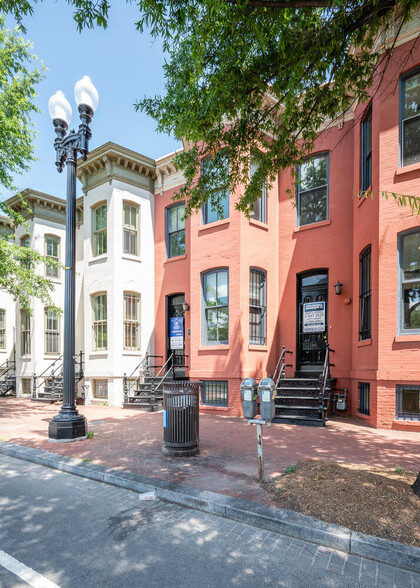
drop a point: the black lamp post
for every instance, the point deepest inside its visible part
(68, 424)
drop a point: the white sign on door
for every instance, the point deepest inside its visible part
(314, 317)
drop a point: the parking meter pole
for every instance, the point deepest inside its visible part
(260, 454)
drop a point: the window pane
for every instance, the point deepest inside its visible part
(411, 255)
(181, 215)
(313, 206)
(411, 302)
(211, 316)
(320, 171)
(306, 175)
(173, 219)
(177, 244)
(412, 96)
(411, 401)
(100, 218)
(210, 293)
(222, 288)
(411, 141)
(222, 317)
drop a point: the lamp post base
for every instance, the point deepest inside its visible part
(67, 429)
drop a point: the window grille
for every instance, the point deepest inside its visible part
(100, 230)
(2, 329)
(257, 307)
(52, 251)
(130, 228)
(365, 296)
(410, 118)
(312, 193)
(100, 325)
(364, 398)
(216, 307)
(175, 230)
(52, 332)
(100, 389)
(367, 150)
(131, 321)
(25, 318)
(214, 393)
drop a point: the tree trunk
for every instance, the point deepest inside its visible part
(416, 485)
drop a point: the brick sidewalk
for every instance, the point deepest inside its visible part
(132, 440)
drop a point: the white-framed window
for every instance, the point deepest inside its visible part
(25, 386)
(220, 195)
(99, 245)
(131, 320)
(52, 332)
(52, 251)
(2, 328)
(100, 389)
(175, 230)
(130, 228)
(410, 118)
(215, 326)
(408, 402)
(312, 190)
(257, 306)
(260, 205)
(99, 323)
(409, 282)
(25, 332)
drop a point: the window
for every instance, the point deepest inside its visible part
(2, 329)
(99, 230)
(213, 181)
(216, 307)
(367, 150)
(26, 242)
(25, 325)
(364, 398)
(214, 393)
(312, 193)
(410, 118)
(409, 253)
(25, 386)
(408, 403)
(131, 321)
(52, 251)
(175, 230)
(52, 332)
(365, 294)
(100, 334)
(260, 205)
(257, 307)
(130, 228)
(100, 389)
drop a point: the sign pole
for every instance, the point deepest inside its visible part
(260, 453)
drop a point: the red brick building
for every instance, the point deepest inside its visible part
(249, 284)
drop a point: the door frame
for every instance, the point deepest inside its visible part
(180, 371)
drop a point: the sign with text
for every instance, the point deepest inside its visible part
(314, 317)
(177, 332)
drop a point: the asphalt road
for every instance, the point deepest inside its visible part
(57, 529)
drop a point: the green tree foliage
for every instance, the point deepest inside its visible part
(18, 78)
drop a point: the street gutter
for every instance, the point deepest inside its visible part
(270, 518)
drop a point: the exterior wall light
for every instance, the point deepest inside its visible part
(338, 287)
(185, 306)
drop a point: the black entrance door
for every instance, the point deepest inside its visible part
(176, 345)
(312, 311)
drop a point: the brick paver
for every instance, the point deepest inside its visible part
(132, 440)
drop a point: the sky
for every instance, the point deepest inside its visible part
(124, 65)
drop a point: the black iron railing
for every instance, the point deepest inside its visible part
(280, 371)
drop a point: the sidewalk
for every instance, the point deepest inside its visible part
(131, 440)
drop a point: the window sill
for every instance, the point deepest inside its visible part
(211, 407)
(214, 225)
(130, 257)
(364, 343)
(132, 353)
(99, 259)
(54, 280)
(257, 347)
(51, 355)
(323, 223)
(406, 338)
(98, 354)
(259, 224)
(407, 169)
(176, 258)
(221, 347)
(365, 196)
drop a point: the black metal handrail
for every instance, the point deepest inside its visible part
(50, 373)
(143, 368)
(323, 380)
(279, 372)
(5, 368)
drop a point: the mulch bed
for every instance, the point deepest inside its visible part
(370, 500)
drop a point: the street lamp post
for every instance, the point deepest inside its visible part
(68, 424)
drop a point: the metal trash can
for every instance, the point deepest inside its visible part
(180, 418)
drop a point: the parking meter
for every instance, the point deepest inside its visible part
(267, 394)
(249, 398)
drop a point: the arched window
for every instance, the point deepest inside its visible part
(366, 150)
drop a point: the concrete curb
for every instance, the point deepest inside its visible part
(272, 519)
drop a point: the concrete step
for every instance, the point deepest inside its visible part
(299, 420)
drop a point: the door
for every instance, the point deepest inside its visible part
(312, 313)
(175, 333)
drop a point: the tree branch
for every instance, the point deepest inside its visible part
(285, 3)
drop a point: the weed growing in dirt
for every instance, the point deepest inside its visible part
(85, 459)
(290, 469)
(399, 470)
(90, 434)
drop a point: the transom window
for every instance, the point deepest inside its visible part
(365, 295)
(175, 230)
(216, 307)
(100, 324)
(52, 251)
(25, 325)
(367, 150)
(130, 228)
(260, 205)
(409, 246)
(408, 403)
(312, 192)
(131, 321)
(100, 230)
(52, 332)
(220, 195)
(257, 306)
(410, 118)
(2, 329)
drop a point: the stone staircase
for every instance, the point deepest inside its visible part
(48, 386)
(145, 396)
(7, 378)
(300, 401)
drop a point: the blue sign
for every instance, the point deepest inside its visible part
(165, 419)
(177, 332)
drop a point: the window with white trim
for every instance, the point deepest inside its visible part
(2, 329)
(312, 190)
(409, 282)
(408, 403)
(257, 306)
(216, 307)
(410, 118)
(211, 174)
(131, 320)
(100, 389)
(175, 230)
(131, 228)
(52, 251)
(99, 245)
(52, 332)
(25, 332)
(260, 205)
(100, 322)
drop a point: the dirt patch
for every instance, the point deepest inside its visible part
(373, 501)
